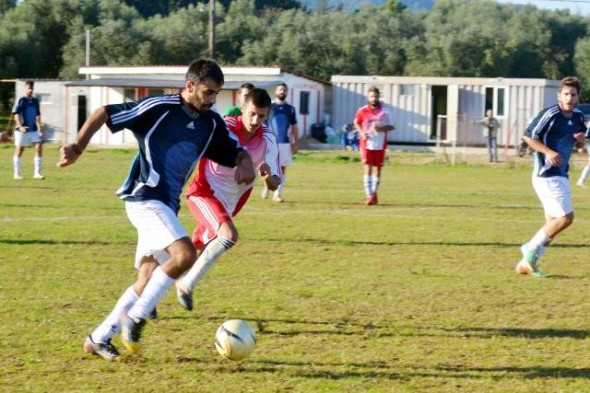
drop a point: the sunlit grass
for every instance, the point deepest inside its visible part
(416, 294)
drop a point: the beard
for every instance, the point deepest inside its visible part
(282, 97)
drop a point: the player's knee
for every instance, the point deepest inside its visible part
(185, 257)
(228, 231)
(568, 220)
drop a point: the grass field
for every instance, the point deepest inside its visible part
(417, 294)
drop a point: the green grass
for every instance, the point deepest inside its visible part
(417, 294)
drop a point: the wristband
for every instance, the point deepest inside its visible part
(76, 149)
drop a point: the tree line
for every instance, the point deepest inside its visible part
(478, 38)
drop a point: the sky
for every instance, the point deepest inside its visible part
(576, 7)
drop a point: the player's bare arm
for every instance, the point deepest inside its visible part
(385, 128)
(70, 153)
(272, 182)
(294, 138)
(39, 126)
(19, 125)
(551, 156)
(244, 168)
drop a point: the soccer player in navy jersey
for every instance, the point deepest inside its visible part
(553, 134)
(173, 132)
(282, 120)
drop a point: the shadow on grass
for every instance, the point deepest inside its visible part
(524, 333)
(383, 370)
(411, 243)
(62, 242)
(347, 328)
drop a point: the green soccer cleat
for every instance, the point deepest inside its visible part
(528, 264)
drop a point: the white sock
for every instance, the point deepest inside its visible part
(584, 174)
(279, 190)
(541, 251)
(367, 183)
(153, 292)
(38, 161)
(375, 184)
(110, 326)
(210, 254)
(16, 164)
(538, 241)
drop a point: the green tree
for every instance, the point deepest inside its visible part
(582, 66)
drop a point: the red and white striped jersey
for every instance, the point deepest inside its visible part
(219, 180)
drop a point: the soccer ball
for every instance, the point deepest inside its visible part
(235, 339)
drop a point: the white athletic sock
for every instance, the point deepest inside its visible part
(38, 162)
(153, 292)
(210, 254)
(367, 183)
(541, 251)
(110, 326)
(375, 180)
(584, 174)
(16, 164)
(538, 241)
(279, 190)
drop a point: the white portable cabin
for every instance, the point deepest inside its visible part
(51, 94)
(111, 85)
(423, 107)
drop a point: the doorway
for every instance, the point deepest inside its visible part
(439, 108)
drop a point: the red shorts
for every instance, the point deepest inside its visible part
(210, 214)
(372, 157)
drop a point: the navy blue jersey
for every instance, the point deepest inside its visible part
(281, 117)
(556, 131)
(28, 110)
(171, 141)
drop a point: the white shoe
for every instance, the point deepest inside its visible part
(17, 176)
(582, 185)
(277, 199)
(264, 194)
(38, 176)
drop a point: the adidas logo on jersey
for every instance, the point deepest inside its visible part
(569, 123)
(191, 125)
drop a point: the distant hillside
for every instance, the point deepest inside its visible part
(351, 5)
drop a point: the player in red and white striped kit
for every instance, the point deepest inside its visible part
(214, 196)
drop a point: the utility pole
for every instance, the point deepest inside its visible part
(212, 29)
(87, 62)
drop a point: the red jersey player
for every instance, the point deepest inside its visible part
(373, 121)
(214, 196)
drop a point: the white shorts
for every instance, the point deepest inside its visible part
(26, 139)
(157, 228)
(285, 154)
(555, 195)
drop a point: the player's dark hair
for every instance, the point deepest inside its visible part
(570, 81)
(259, 97)
(202, 70)
(246, 86)
(374, 89)
(30, 83)
(284, 85)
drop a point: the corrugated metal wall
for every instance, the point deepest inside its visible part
(410, 100)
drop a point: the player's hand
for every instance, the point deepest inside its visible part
(23, 129)
(580, 136)
(263, 170)
(67, 156)
(244, 169)
(553, 158)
